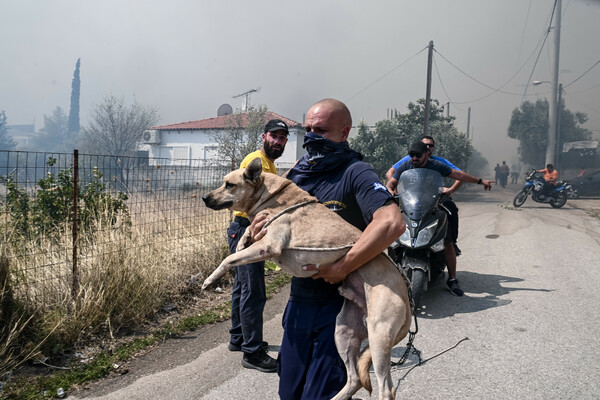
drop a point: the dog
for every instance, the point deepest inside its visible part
(376, 304)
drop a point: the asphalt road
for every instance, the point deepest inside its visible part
(526, 327)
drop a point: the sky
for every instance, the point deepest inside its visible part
(188, 57)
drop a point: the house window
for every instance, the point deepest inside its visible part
(178, 155)
(210, 152)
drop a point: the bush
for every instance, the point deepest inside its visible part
(52, 207)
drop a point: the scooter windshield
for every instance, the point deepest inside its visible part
(418, 190)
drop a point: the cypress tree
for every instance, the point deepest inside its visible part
(74, 111)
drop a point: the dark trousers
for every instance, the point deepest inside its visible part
(452, 234)
(248, 297)
(310, 367)
(548, 188)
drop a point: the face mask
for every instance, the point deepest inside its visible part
(317, 145)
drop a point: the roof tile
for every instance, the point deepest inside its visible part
(222, 122)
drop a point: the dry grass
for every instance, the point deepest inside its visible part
(125, 274)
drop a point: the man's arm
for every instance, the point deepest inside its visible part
(464, 177)
(390, 173)
(392, 185)
(452, 189)
(386, 226)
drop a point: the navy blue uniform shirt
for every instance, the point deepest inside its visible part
(355, 193)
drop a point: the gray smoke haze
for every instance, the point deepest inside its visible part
(187, 57)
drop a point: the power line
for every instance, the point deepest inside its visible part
(384, 75)
(541, 48)
(442, 83)
(494, 90)
(581, 76)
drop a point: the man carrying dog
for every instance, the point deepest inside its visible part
(309, 364)
(248, 297)
(451, 250)
(419, 158)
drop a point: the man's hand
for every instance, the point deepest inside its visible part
(331, 273)
(256, 226)
(392, 185)
(487, 185)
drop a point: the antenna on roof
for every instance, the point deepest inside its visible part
(245, 104)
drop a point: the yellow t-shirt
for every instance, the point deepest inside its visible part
(267, 166)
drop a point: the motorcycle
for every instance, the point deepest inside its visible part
(535, 186)
(419, 252)
(572, 192)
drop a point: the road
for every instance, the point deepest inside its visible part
(526, 327)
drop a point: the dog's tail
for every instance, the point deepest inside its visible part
(364, 365)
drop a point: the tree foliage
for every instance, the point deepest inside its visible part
(6, 142)
(529, 125)
(389, 140)
(46, 213)
(74, 110)
(243, 135)
(54, 136)
(115, 128)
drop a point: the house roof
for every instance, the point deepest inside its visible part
(222, 122)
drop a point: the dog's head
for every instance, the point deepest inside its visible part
(239, 189)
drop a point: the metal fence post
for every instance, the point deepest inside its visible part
(75, 285)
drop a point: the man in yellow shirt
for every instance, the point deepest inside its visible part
(248, 297)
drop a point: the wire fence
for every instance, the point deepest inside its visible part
(50, 203)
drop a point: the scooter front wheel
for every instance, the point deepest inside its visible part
(520, 198)
(418, 278)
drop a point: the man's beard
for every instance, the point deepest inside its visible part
(271, 152)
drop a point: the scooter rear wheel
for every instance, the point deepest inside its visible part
(520, 198)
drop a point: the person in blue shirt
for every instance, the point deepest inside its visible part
(419, 157)
(309, 364)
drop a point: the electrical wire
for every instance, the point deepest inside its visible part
(541, 48)
(494, 90)
(442, 83)
(524, 29)
(581, 76)
(384, 75)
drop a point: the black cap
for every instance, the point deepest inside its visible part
(418, 147)
(276, 125)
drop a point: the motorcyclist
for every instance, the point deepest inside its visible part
(419, 158)
(550, 179)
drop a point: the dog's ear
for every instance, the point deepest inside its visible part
(253, 170)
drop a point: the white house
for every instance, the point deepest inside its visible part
(192, 140)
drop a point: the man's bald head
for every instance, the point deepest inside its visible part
(329, 118)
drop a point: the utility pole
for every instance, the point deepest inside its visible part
(428, 93)
(468, 121)
(552, 111)
(558, 107)
(448, 109)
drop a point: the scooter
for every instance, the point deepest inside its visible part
(535, 186)
(419, 252)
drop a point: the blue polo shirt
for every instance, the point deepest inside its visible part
(435, 165)
(440, 159)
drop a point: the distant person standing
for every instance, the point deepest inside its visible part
(248, 297)
(504, 171)
(497, 174)
(514, 174)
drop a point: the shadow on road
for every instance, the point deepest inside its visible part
(482, 292)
